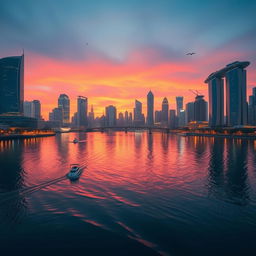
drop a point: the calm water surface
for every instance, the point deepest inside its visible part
(140, 194)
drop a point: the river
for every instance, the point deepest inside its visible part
(140, 194)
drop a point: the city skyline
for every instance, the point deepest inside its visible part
(89, 54)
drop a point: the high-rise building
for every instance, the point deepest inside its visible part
(182, 118)
(190, 112)
(126, 118)
(236, 96)
(139, 118)
(120, 121)
(236, 105)
(56, 116)
(12, 84)
(37, 109)
(172, 122)
(32, 109)
(179, 104)
(64, 104)
(150, 109)
(200, 108)
(165, 112)
(82, 109)
(179, 107)
(110, 116)
(252, 108)
(130, 121)
(216, 101)
(91, 117)
(158, 116)
(28, 108)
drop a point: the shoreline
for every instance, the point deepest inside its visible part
(24, 136)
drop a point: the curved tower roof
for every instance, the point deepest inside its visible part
(221, 72)
(165, 101)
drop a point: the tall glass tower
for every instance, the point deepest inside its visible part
(150, 109)
(64, 103)
(12, 84)
(82, 109)
(165, 112)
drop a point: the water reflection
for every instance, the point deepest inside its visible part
(216, 168)
(138, 185)
(236, 174)
(228, 168)
(12, 178)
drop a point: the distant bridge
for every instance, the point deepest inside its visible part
(128, 128)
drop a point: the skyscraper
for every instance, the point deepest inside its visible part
(172, 119)
(111, 116)
(216, 101)
(138, 116)
(190, 112)
(64, 104)
(91, 117)
(236, 105)
(28, 108)
(252, 108)
(37, 109)
(32, 109)
(12, 84)
(236, 96)
(120, 120)
(158, 116)
(179, 104)
(150, 109)
(82, 109)
(126, 118)
(165, 112)
(200, 108)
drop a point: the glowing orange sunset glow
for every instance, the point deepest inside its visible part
(106, 82)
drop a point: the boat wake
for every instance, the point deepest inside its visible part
(5, 197)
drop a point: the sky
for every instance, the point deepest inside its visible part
(114, 52)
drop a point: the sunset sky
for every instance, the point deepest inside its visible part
(113, 52)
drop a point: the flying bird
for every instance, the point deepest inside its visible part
(190, 53)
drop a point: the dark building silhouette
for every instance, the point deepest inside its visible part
(236, 105)
(126, 117)
(179, 104)
(252, 108)
(190, 112)
(216, 101)
(56, 117)
(37, 109)
(32, 109)
(110, 116)
(172, 120)
(150, 109)
(165, 112)
(64, 104)
(200, 109)
(120, 121)
(91, 117)
(158, 116)
(180, 111)
(82, 109)
(28, 108)
(12, 84)
(139, 118)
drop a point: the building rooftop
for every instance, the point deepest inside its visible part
(220, 73)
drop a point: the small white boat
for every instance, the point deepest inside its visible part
(75, 172)
(75, 140)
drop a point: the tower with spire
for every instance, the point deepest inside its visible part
(150, 109)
